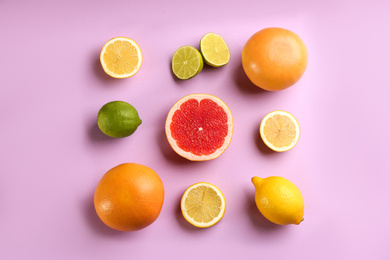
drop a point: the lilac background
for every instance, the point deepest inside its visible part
(53, 154)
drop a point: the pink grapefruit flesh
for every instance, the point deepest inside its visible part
(199, 127)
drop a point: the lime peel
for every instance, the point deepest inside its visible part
(118, 119)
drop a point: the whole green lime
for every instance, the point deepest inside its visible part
(118, 119)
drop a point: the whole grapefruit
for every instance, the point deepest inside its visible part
(274, 58)
(129, 197)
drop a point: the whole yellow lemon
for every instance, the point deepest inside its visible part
(279, 200)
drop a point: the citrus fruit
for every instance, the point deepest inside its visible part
(279, 200)
(118, 119)
(199, 127)
(214, 50)
(129, 197)
(203, 205)
(121, 57)
(280, 130)
(274, 58)
(187, 62)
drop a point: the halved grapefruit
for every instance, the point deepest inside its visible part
(199, 127)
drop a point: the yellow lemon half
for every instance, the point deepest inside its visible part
(121, 57)
(203, 205)
(280, 130)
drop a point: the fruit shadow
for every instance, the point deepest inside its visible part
(210, 69)
(244, 84)
(98, 69)
(166, 149)
(205, 70)
(263, 148)
(183, 223)
(175, 78)
(94, 221)
(259, 222)
(96, 135)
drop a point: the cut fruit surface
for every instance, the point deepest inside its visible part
(203, 205)
(214, 50)
(199, 127)
(121, 57)
(280, 130)
(187, 62)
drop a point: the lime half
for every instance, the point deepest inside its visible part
(214, 50)
(118, 119)
(187, 62)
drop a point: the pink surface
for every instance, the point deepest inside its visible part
(53, 154)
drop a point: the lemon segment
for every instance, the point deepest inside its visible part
(121, 57)
(187, 62)
(214, 50)
(203, 205)
(280, 130)
(279, 200)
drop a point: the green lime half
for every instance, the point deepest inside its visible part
(187, 62)
(214, 50)
(118, 119)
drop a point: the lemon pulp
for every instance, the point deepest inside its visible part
(121, 57)
(203, 205)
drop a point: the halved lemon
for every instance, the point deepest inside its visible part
(280, 130)
(121, 57)
(203, 205)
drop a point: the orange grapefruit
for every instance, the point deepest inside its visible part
(199, 127)
(274, 58)
(129, 197)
